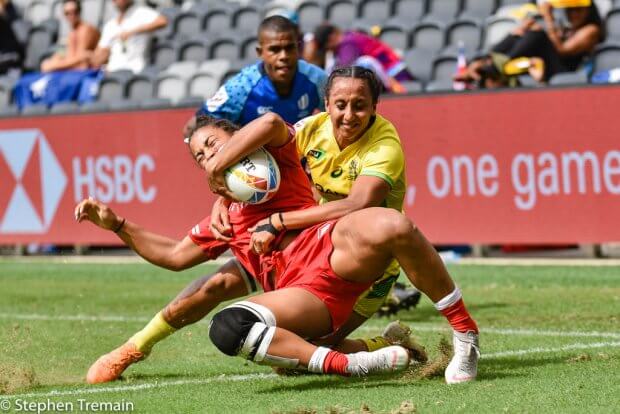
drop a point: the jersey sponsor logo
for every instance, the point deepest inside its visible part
(262, 110)
(217, 100)
(329, 194)
(316, 153)
(303, 102)
(337, 172)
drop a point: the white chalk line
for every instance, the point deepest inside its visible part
(249, 377)
(366, 328)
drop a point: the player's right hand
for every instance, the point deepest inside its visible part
(220, 225)
(97, 213)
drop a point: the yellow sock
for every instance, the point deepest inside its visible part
(154, 331)
(375, 343)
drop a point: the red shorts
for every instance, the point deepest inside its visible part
(305, 264)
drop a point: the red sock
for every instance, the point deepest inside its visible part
(459, 318)
(335, 363)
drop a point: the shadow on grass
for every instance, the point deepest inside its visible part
(513, 367)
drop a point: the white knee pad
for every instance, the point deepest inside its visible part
(258, 339)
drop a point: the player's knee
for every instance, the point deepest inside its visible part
(242, 328)
(395, 226)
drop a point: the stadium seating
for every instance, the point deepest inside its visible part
(207, 41)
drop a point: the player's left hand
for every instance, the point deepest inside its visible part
(217, 183)
(262, 241)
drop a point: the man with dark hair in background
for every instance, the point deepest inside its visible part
(81, 41)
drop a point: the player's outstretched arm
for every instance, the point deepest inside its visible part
(157, 249)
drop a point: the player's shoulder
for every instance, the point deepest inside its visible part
(383, 130)
(311, 123)
(312, 72)
(246, 79)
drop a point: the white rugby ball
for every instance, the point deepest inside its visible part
(255, 179)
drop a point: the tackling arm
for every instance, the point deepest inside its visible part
(157, 249)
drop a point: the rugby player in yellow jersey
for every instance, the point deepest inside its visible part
(355, 160)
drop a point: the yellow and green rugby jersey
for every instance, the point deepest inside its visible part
(377, 153)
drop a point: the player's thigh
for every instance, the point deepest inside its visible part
(230, 281)
(361, 243)
(297, 310)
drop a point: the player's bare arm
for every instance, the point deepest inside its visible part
(367, 191)
(159, 250)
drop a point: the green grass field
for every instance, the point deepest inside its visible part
(550, 341)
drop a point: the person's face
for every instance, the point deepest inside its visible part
(206, 142)
(577, 15)
(279, 53)
(70, 10)
(350, 108)
(122, 5)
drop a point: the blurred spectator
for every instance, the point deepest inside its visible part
(82, 40)
(11, 52)
(357, 48)
(541, 50)
(125, 39)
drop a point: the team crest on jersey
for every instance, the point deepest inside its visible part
(316, 153)
(303, 102)
(217, 100)
(353, 170)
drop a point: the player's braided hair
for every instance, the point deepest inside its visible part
(208, 120)
(357, 72)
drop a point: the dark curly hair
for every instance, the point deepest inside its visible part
(208, 120)
(357, 72)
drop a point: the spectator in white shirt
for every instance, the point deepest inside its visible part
(125, 39)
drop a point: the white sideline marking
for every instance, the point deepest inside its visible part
(499, 331)
(79, 318)
(248, 377)
(138, 387)
(545, 350)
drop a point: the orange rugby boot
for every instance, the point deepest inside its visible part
(109, 367)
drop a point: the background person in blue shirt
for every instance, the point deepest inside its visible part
(280, 82)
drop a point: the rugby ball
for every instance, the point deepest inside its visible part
(255, 179)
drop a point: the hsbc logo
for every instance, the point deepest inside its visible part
(32, 182)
